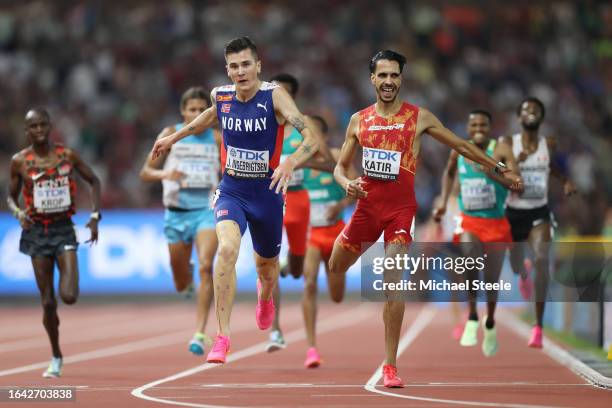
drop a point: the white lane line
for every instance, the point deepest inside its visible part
(339, 321)
(418, 325)
(557, 353)
(116, 330)
(128, 347)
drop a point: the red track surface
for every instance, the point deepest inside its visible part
(139, 345)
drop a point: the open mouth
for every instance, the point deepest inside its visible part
(387, 91)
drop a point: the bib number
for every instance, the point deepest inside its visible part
(535, 185)
(477, 194)
(52, 196)
(247, 164)
(318, 214)
(381, 164)
(199, 163)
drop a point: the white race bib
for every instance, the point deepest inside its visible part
(298, 174)
(318, 213)
(199, 163)
(247, 164)
(381, 164)
(476, 194)
(51, 196)
(535, 184)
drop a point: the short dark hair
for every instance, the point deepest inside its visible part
(387, 55)
(241, 43)
(288, 79)
(195, 92)
(482, 112)
(322, 121)
(534, 100)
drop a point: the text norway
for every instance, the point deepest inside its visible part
(247, 125)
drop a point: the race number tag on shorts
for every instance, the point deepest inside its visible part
(298, 174)
(535, 184)
(381, 164)
(51, 196)
(476, 194)
(318, 214)
(247, 164)
(199, 163)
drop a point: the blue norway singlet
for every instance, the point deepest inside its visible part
(251, 150)
(252, 138)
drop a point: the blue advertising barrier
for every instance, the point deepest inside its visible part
(131, 257)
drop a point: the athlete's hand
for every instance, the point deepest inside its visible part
(174, 175)
(93, 226)
(354, 189)
(438, 213)
(282, 175)
(162, 146)
(515, 182)
(569, 188)
(24, 220)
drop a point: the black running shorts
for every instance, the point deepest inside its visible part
(51, 241)
(522, 221)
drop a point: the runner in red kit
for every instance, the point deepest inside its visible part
(390, 134)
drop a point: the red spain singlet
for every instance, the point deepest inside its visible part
(389, 164)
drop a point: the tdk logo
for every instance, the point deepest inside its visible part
(382, 155)
(247, 154)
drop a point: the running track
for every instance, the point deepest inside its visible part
(135, 356)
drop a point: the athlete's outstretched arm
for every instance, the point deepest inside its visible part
(342, 172)
(428, 123)
(203, 121)
(448, 179)
(152, 168)
(285, 107)
(90, 177)
(503, 153)
(15, 183)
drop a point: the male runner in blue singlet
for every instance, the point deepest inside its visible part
(251, 114)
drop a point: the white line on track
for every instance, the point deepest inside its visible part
(559, 355)
(339, 321)
(128, 347)
(418, 325)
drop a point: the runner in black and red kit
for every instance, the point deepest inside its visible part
(44, 173)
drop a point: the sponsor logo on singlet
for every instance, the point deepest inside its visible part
(245, 163)
(395, 126)
(381, 164)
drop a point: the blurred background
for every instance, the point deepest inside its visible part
(111, 74)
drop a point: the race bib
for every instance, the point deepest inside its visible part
(318, 213)
(51, 196)
(298, 174)
(247, 164)
(199, 163)
(381, 164)
(535, 184)
(476, 194)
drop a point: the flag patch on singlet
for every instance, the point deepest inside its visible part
(225, 107)
(222, 213)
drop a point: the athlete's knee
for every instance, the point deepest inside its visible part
(69, 298)
(310, 287)
(205, 269)
(49, 303)
(227, 252)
